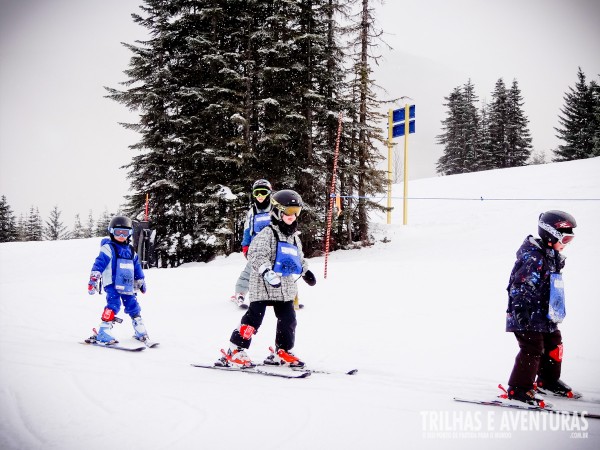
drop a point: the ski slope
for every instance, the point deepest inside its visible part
(421, 316)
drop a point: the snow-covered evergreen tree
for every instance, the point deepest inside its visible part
(34, 226)
(461, 137)
(8, 222)
(78, 229)
(518, 137)
(229, 92)
(55, 229)
(580, 121)
(102, 224)
(89, 228)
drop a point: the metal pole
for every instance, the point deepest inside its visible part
(406, 131)
(389, 144)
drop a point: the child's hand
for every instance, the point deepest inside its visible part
(245, 250)
(93, 283)
(141, 285)
(310, 278)
(272, 278)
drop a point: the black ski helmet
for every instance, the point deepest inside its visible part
(120, 222)
(286, 201)
(554, 224)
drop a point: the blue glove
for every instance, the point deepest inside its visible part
(140, 285)
(93, 283)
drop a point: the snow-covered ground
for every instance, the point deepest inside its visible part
(420, 316)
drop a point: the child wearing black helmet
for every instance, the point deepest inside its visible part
(119, 268)
(277, 261)
(257, 217)
(535, 307)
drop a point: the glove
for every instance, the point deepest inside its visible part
(309, 277)
(272, 278)
(140, 285)
(93, 283)
(245, 250)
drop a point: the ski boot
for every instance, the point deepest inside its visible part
(524, 395)
(283, 357)
(140, 330)
(557, 388)
(235, 357)
(103, 336)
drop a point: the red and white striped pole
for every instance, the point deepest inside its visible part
(331, 194)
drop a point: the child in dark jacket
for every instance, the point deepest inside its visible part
(536, 306)
(119, 268)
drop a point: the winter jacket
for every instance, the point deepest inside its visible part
(253, 227)
(106, 264)
(263, 249)
(529, 287)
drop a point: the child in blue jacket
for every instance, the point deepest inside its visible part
(119, 268)
(258, 217)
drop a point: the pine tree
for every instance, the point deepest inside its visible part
(362, 177)
(79, 232)
(596, 91)
(461, 135)
(55, 229)
(229, 92)
(580, 123)
(22, 228)
(486, 161)
(89, 229)
(498, 126)
(8, 222)
(518, 137)
(102, 224)
(34, 226)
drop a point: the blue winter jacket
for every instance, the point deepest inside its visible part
(107, 265)
(251, 226)
(529, 286)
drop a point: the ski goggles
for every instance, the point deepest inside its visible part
(121, 232)
(290, 210)
(565, 238)
(260, 192)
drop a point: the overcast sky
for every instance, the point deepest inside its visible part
(61, 144)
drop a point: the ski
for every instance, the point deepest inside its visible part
(578, 397)
(113, 346)
(147, 342)
(254, 370)
(308, 369)
(527, 407)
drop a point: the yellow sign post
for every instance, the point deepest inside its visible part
(404, 126)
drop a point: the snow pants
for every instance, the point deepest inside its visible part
(540, 354)
(113, 301)
(285, 335)
(243, 283)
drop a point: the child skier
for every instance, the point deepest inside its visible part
(257, 217)
(118, 267)
(277, 262)
(536, 306)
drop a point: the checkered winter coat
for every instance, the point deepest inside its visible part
(263, 250)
